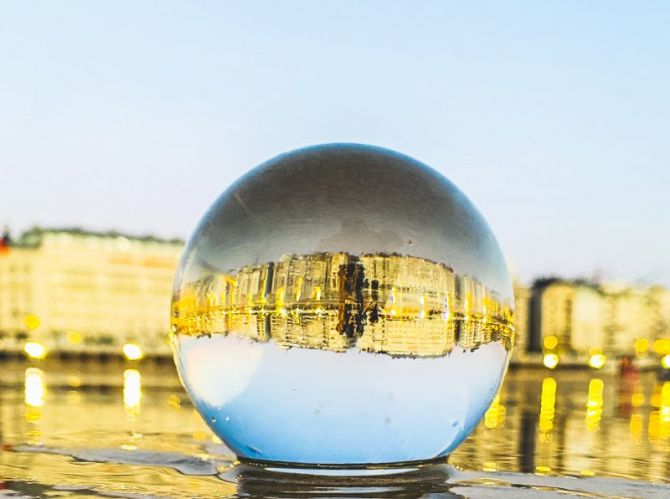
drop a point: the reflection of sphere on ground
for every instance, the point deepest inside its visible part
(342, 304)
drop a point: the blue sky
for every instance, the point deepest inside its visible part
(553, 117)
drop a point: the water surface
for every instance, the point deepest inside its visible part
(121, 430)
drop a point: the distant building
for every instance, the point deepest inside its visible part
(521, 319)
(639, 315)
(579, 317)
(73, 290)
(571, 313)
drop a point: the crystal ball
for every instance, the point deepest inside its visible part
(342, 304)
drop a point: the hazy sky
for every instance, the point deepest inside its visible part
(553, 117)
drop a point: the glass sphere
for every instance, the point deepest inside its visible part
(342, 305)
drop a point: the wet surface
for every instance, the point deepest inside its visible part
(116, 430)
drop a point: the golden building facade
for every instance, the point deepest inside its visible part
(521, 319)
(582, 318)
(637, 316)
(71, 290)
(383, 303)
(571, 314)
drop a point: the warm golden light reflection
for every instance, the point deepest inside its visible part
(637, 399)
(665, 361)
(550, 342)
(550, 360)
(74, 381)
(73, 337)
(664, 410)
(174, 401)
(547, 405)
(35, 350)
(199, 435)
(490, 466)
(495, 415)
(31, 321)
(542, 470)
(34, 387)
(383, 303)
(73, 397)
(654, 430)
(132, 391)
(641, 346)
(597, 361)
(662, 346)
(620, 447)
(594, 404)
(655, 400)
(636, 425)
(132, 351)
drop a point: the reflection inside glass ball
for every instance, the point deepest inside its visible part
(342, 305)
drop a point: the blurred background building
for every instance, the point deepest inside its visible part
(581, 322)
(71, 292)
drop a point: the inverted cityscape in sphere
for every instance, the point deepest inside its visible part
(342, 305)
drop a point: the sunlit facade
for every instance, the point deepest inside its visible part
(382, 303)
(69, 290)
(577, 318)
(521, 321)
(637, 318)
(569, 314)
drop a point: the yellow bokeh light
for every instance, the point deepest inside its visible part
(34, 387)
(31, 321)
(550, 342)
(637, 399)
(550, 360)
(665, 361)
(73, 337)
(641, 346)
(132, 351)
(74, 381)
(662, 346)
(35, 350)
(597, 361)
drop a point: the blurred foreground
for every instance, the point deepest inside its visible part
(99, 429)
